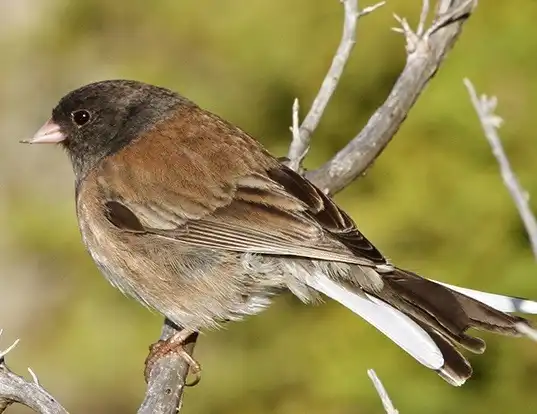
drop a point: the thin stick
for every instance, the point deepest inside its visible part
(490, 122)
(298, 148)
(423, 17)
(384, 397)
(301, 141)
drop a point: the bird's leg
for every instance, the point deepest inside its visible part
(175, 344)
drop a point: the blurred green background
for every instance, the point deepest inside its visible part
(434, 201)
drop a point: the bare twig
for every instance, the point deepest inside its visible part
(299, 147)
(385, 398)
(490, 122)
(9, 348)
(167, 379)
(15, 389)
(425, 54)
(423, 18)
(300, 143)
(370, 9)
(34, 376)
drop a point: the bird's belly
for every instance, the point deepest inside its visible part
(111, 259)
(193, 287)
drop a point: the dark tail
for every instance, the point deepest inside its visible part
(429, 320)
(446, 316)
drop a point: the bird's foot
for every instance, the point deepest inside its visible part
(173, 345)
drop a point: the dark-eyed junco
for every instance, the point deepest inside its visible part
(192, 217)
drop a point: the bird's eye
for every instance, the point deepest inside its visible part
(81, 117)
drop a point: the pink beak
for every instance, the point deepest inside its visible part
(48, 134)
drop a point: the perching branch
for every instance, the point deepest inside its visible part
(15, 389)
(490, 122)
(166, 382)
(426, 50)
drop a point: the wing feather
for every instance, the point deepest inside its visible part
(236, 196)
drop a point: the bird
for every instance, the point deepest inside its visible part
(192, 217)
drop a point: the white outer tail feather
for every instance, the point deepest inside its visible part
(394, 324)
(502, 303)
(400, 328)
